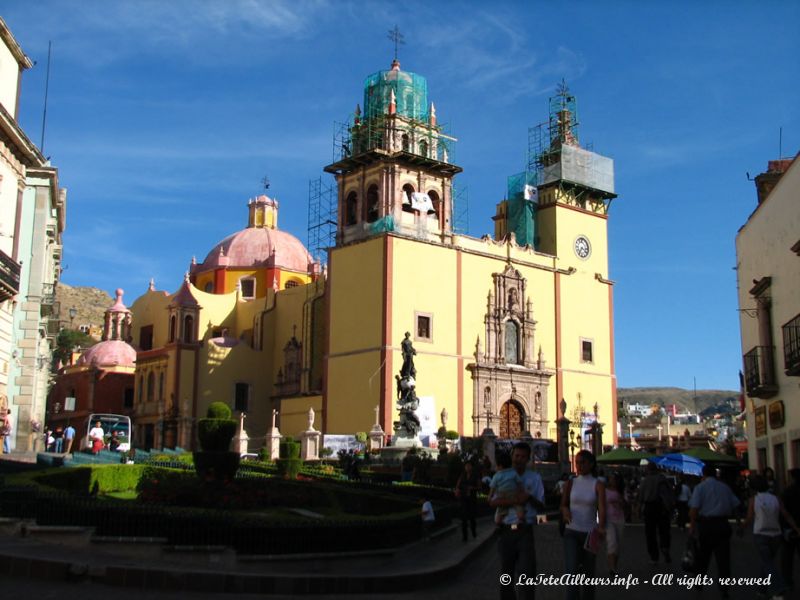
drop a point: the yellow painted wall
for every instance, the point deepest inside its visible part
(352, 395)
(355, 285)
(264, 279)
(294, 415)
(424, 280)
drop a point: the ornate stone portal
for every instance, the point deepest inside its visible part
(510, 382)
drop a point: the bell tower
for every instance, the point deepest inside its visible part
(392, 163)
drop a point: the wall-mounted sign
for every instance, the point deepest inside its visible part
(777, 417)
(761, 421)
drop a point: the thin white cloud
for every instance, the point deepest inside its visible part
(100, 33)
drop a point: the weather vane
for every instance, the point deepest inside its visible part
(397, 38)
(265, 183)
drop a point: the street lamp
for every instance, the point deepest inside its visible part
(72, 312)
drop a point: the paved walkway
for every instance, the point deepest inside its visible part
(443, 568)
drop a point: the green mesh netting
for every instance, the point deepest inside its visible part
(410, 90)
(522, 207)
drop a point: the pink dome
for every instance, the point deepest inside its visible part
(109, 353)
(259, 247)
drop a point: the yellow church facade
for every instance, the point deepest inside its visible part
(504, 327)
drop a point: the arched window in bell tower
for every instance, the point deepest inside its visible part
(512, 343)
(437, 203)
(373, 201)
(188, 329)
(351, 209)
(172, 328)
(408, 192)
(423, 148)
(405, 142)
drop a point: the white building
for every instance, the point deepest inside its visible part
(32, 218)
(768, 278)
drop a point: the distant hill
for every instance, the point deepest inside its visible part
(705, 399)
(90, 305)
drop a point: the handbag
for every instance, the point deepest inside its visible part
(689, 560)
(593, 541)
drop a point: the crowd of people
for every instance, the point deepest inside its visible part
(594, 508)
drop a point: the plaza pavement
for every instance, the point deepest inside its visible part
(445, 568)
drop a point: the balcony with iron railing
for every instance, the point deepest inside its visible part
(791, 346)
(9, 276)
(759, 372)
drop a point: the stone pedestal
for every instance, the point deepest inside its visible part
(274, 444)
(310, 444)
(488, 436)
(406, 442)
(242, 439)
(375, 438)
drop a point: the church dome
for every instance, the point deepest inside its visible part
(260, 247)
(261, 244)
(110, 353)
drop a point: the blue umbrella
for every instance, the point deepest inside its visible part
(683, 463)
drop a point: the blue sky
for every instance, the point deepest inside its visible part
(163, 117)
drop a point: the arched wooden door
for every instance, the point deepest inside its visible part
(512, 420)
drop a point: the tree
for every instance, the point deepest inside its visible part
(67, 341)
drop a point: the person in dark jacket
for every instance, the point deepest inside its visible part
(467, 493)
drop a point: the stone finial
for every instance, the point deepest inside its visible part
(444, 416)
(186, 276)
(194, 260)
(377, 410)
(432, 114)
(392, 102)
(563, 407)
(311, 418)
(540, 359)
(478, 349)
(152, 286)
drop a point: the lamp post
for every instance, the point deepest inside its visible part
(72, 313)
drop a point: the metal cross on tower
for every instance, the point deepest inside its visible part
(265, 182)
(397, 38)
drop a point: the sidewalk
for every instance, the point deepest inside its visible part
(149, 565)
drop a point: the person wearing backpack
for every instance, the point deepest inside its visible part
(657, 500)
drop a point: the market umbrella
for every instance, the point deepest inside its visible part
(623, 456)
(709, 456)
(688, 465)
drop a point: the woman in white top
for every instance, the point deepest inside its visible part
(583, 508)
(765, 510)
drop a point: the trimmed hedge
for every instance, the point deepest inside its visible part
(94, 479)
(289, 463)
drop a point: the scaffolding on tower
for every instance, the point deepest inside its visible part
(321, 218)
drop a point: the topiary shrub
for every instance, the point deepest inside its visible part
(215, 462)
(216, 431)
(289, 463)
(219, 410)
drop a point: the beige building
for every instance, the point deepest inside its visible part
(768, 273)
(32, 218)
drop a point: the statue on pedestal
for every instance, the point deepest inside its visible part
(408, 426)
